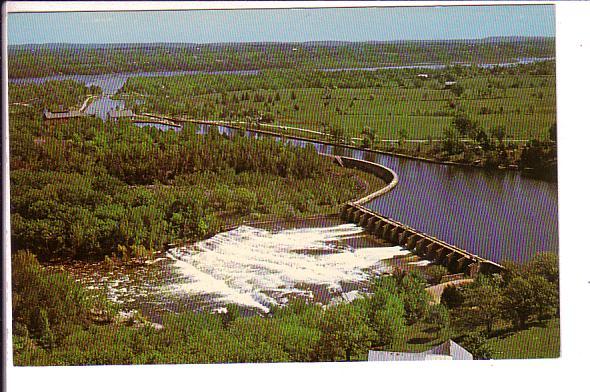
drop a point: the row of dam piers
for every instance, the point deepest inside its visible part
(430, 248)
(425, 246)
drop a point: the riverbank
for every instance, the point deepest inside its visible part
(298, 331)
(496, 119)
(441, 179)
(319, 137)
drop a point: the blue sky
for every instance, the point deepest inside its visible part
(281, 25)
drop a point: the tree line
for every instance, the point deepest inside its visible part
(524, 294)
(491, 149)
(56, 322)
(84, 188)
(54, 59)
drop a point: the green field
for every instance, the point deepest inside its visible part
(395, 105)
(420, 112)
(537, 341)
(540, 341)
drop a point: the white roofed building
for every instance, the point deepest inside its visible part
(449, 350)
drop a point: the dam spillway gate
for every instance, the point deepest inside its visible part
(425, 246)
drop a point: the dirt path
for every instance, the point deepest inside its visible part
(437, 290)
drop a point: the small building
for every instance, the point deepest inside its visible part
(423, 76)
(61, 116)
(450, 83)
(448, 351)
(117, 114)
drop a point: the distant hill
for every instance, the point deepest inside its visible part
(65, 58)
(63, 45)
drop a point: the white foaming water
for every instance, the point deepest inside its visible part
(256, 268)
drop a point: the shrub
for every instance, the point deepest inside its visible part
(47, 304)
(436, 272)
(518, 301)
(416, 299)
(452, 297)
(476, 344)
(438, 317)
(345, 332)
(386, 315)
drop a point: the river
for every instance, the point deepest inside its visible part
(111, 83)
(254, 268)
(498, 215)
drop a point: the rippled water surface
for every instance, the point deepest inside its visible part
(497, 215)
(257, 268)
(254, 268)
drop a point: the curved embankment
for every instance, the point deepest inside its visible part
(436, 291)
(426, 246)
(386, 174)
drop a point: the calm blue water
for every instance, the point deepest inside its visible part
(496, 215)
(101, 106)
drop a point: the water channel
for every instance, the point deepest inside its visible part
(498, 215)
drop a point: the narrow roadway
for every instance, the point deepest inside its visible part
(437, 290)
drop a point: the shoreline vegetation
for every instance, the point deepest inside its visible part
(488, 118)
(110, 191)
(120, 192)
(540, 172)
(55, 322)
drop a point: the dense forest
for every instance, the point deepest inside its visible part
(85, 188)
(54, 59)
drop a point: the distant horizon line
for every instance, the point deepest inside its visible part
(285, 42)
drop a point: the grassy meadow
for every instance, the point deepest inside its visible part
(395, 107)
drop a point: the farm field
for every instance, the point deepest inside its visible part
(523, 105)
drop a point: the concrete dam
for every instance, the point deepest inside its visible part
(425, 246)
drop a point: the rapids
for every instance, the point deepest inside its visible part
(257, 268)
